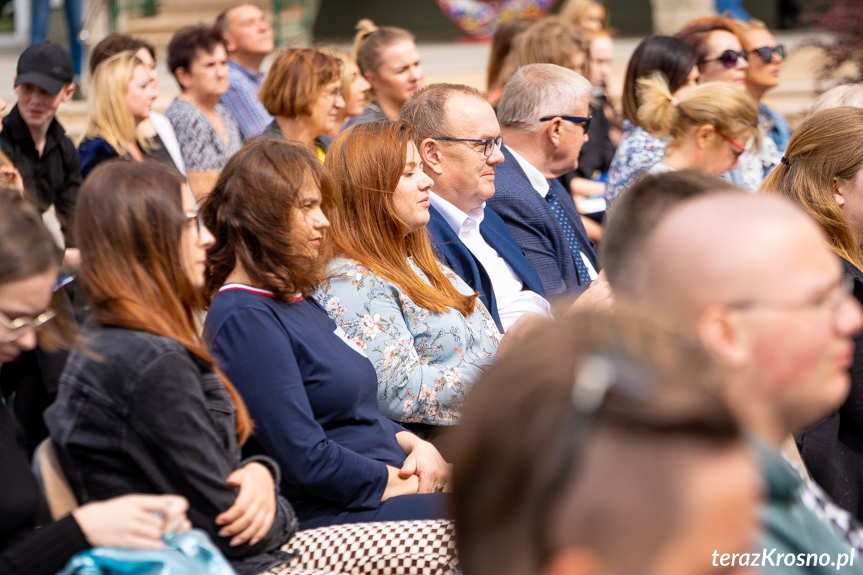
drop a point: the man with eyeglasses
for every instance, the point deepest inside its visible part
(459, 140)
(543, 114)
(769, 300)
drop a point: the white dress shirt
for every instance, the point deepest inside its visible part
(541, 185)
(513, 300)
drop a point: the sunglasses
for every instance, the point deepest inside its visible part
(584, 122)
(728, 59)
(766, 52)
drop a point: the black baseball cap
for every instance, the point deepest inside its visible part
(46, 65)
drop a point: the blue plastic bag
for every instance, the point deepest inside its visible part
(190, 553)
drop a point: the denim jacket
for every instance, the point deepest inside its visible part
(138, 413)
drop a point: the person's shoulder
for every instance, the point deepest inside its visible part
(93, 145)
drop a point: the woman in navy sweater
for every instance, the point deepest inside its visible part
(310, 390)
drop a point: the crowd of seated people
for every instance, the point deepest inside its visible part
(338, 321)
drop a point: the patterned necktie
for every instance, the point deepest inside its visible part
(569, 233)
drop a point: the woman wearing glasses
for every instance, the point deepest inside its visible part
(29, 263)
(303, 91)
(710, 126)
(822, 172)
(425, 331)
(142, 406)
(765, 59)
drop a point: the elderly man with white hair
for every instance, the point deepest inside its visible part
(543, 114)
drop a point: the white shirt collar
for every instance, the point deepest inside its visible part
(534, 176)
(454, 217)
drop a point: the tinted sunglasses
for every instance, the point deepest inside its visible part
(728, 59)
(766, 52)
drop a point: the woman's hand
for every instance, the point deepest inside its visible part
(250, 517)
(133, 521)
(396, 485)
(425, 462)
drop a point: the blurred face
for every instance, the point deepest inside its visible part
(601, 53)
(692, 81)
(26, 298)
(411, 197)
(196, 239)
(144, 56)
(248, 31)
(716, 66)
(849, 196)
(399, 74)
(798, 328)
(762, 75)
(468, 174)
(578, 62)
(207, 74)
(725, 152)
(37, 107)
(324, 111)
(140, 94)
(356, 100)
(592, 19)
(309, 221)
(720, 493)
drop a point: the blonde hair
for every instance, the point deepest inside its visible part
(847, 95)
(822, 149)
(550, 40)
(718, 104)
(346, 59)
(108, 116)
(575, 10)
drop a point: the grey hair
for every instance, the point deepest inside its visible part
(539, 90)
(846, 95)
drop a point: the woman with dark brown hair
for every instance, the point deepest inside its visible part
(311, 390)
(421, 325)
(143, 407)
(303, 90)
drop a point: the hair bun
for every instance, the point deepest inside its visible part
(366, 27)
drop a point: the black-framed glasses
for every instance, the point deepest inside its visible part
(766, 52)
(490, 144)
(831, 300)
(18, 327)
(595, 376)
(579, 120)
(728, 59)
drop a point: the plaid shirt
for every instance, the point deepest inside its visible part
(242, 102)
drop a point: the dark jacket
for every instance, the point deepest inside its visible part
(535, 228)
(457, 256)
(137, 413)
(833, 448)
(25, 550)
(50, 179)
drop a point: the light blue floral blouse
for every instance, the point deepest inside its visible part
(638, 152)
(426, 362)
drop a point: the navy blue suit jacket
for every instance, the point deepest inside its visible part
(456, 255)
(537, 231)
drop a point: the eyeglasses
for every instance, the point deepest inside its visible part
(18, 327)
(336, 93)
(196, 217)
(766, 52)
(831, 300)
(728, 58)
(490, 144)
(581, 121)
(738, 149)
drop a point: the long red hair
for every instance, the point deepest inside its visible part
(129, 224)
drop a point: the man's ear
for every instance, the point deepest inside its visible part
(553, 129)
(67, 90)
(839, 191)
(430, 153)
(722, 335)
(230, 44)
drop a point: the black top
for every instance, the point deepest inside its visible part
(25, 550)
(50, 179)
(94, 151)
(138, 413)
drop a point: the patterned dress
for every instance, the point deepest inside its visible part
(638, 152)
(202, 146)
(426, 362)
